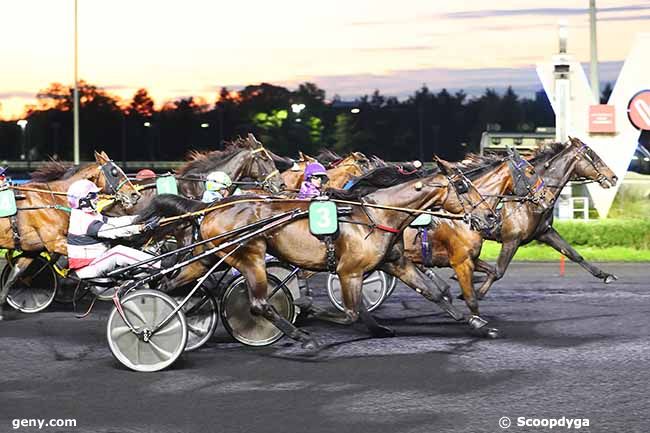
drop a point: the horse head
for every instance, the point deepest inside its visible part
(112, 180)
(590, 166)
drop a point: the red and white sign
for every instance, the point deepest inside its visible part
(638, 110)
(602, 119)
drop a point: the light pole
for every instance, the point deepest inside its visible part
(595, 82)
(297, 108)
(23, 125)
(76, 92)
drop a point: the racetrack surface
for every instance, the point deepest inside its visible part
(570, 346)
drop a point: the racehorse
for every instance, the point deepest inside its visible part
(450, 243)
(525, 222)
(41, 223)
(369, 240)
(242, 158)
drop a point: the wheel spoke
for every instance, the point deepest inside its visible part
(120, 331)
(372, 280)
(196, 330)
(132, 308)
(163, 354)
(171, 326)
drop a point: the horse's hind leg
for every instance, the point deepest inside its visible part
(19, 266)
(351, 287)
(255, 273)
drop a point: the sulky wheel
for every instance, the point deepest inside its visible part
(249, 329)
(392, 283)
(35, 288)
(148, 350)
(374, 290)
(202, 317)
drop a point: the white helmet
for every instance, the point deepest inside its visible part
(217, 180)
(79, 192)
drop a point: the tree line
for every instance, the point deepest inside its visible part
(427, 122)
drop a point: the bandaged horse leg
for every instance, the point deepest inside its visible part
(18, 267)
(408, 273)
(554, 239)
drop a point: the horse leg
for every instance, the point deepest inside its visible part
(408, 273)
(554, 239)
(255, 274)
(508, 250)
(439, 282)
(465, 272)
(18, 267)
(351, 287)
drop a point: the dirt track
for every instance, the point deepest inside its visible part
(571, 347)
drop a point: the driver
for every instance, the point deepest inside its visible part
(217, 187)
(315, 178)
(89, 254)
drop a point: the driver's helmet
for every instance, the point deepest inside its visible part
(217, 180)
(82, 193)
(145, 174)
(315, 169)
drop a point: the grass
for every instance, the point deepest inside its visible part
(537, 252)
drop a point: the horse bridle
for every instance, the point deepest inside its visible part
(584, 152)
(461, 186)
(266, 183)
(111, 171)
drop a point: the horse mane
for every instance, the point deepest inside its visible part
(546, 151)
(326, 156)
(474, 166)
(377, 178)
(205, 160)
(55, 170)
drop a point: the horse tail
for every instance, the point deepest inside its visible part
(169, 205)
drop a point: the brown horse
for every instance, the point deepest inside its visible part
(524, 222)
(339, 172)
(41, 223)
(242, 158)
(373, 241)
(449, 243)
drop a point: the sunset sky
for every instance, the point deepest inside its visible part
(194, 47)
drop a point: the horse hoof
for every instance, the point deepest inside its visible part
(492, 333)
(476, 322)
(610, 278)
(448, 298)
(383, 332)
(461, 297)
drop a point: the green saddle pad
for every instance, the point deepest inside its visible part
(423, 220)
(167, 185)
(323, 219)
(7, 203)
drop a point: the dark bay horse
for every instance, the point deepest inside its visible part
(374, 242)
(450, 243)
(524, 222)
(41, 223)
